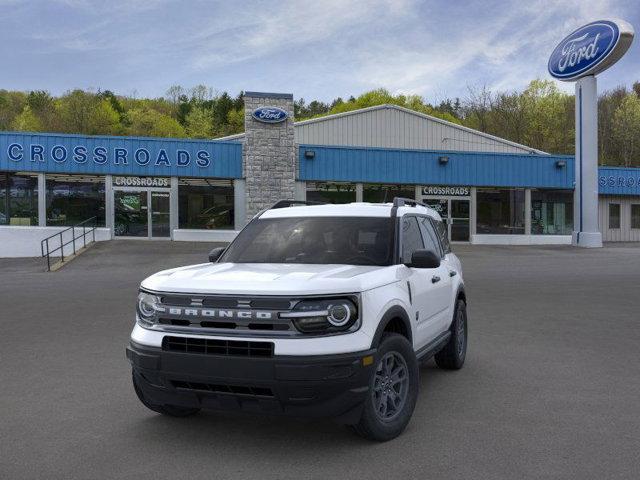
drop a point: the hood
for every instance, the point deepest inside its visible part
(270, 279)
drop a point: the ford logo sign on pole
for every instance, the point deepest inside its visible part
(584, 53)
(270, 114)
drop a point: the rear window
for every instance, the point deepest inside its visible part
(317, 240)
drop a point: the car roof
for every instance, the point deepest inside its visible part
(355, 209)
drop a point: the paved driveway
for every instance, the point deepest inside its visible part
(551, 388)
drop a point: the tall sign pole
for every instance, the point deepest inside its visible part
(578, 58)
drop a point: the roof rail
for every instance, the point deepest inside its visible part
(291, 203)
(402, 202)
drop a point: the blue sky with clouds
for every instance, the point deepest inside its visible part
(314, 49)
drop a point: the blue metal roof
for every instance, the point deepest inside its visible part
(619, 181)
(58, 153)
(380, 165)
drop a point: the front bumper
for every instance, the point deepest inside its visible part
(316, 386)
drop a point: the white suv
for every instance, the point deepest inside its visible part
(322, 310)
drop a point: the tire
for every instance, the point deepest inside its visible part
(452, 356)
(170, 410)
(386, 415)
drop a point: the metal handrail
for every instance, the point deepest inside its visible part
(86, 230)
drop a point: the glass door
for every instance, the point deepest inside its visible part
(454, 213)
(131, 213)
(459, 229)
(160, 226)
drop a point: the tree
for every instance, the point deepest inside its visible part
(147, 122)
(75, 109)
(198, 123)
(27, 121)
(11, 105)
(104, 120)
(625, 129)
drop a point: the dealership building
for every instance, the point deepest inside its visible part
(489, 190)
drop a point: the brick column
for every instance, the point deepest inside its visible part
(270, 160)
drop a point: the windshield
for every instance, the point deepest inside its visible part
(319, 240)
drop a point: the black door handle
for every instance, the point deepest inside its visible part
(453, 273)
(435, 279)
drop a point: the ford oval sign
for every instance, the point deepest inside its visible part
(590, 49)
(270, 114)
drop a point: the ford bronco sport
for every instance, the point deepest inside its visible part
(321, 310)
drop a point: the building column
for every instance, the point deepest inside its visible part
(270, 157)
(473, 212)
(418, 193)
(527, 211)
(108, 202)
(585, 231)
(42, 200)
(173, 206)
(239, 204)
(301, 191)
(359, 192)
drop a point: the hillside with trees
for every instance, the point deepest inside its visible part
(540, 116)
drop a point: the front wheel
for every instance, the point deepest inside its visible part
(393, 391)
(452, 356)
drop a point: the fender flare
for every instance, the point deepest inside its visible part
(394, 312)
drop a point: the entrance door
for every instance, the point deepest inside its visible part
(454, 213)
(141, 213)
(160, 226)
(459, 228)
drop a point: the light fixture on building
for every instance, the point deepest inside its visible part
(561, 164)
(443, 160)
(309, 154)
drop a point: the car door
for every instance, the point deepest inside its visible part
(425, 284)
(442, 294)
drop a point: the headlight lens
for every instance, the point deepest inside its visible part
(148, 306)
(331, 315)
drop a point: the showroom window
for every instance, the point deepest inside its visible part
(614, 215)
(381, 193)
(500, 211)
(205, 204)
(331, 192)
(551, 212)
(18, 199)
(635, 215)
(72, 199)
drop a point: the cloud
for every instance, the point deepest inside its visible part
(318, 49)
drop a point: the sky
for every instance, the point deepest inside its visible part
(318, 49)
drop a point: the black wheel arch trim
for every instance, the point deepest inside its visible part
(394, 312)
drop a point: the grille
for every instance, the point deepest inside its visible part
(229, 389)
(208, 346)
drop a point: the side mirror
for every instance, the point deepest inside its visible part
(424, 259)
(216, 253)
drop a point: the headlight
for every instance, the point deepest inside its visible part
(331, 315)
(148, 306)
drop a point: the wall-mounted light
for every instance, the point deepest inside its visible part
(309, 154)
(443, 160)
(561, 164)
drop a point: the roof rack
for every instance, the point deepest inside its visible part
(402, 202)
(291, 203)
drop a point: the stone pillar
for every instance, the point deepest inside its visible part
(270, 161)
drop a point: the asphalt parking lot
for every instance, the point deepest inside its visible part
(551, 388)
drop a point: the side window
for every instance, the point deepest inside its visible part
(411, 238)
(441, 230)
(430, 237)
